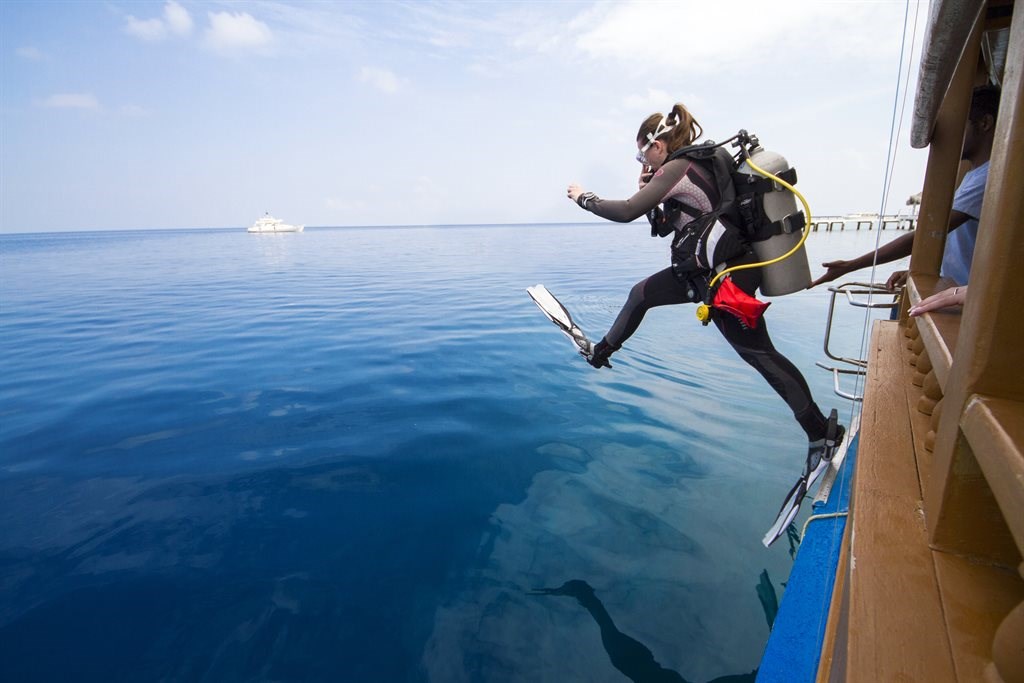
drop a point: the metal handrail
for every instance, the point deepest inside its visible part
(835, 380)
(847, 289)
(850, 289)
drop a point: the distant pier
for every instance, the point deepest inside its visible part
(862, 222)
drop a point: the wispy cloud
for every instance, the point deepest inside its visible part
(71, 101)
(381, 79)
(145, 29)
(635, 33)
(32, 53)
(88, 101)
(231, 32)
(133, 110)
(175, 21)
(653, 100)
(227, 32)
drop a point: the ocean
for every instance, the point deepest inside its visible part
(362, 454)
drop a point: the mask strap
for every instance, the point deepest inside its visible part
(662, 128)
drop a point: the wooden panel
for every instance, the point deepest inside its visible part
(895, 606)
(939, 330)
(975, 598)
(994, 315)
(972, 523)
(890, 466)
(989, 355)
(995, 430)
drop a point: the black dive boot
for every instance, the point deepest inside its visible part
(819, 457)
(599, 354)
(820, 452)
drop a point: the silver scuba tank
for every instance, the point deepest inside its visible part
(790, 274)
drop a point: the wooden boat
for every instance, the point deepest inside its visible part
(925, 581)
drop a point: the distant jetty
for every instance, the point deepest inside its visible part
(863, 221)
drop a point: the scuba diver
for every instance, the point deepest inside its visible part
(683, 195)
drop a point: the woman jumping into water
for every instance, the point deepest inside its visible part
(692, 185)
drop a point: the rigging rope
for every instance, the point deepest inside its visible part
(890, 162)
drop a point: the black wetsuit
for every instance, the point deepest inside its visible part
(692, 184)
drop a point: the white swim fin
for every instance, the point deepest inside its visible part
(559, 315)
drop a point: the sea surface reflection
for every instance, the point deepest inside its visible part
(363, 455)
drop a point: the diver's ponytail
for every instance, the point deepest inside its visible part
(677, 130)
(685, 130)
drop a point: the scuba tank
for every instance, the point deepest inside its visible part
(785, 223)
(762, 210)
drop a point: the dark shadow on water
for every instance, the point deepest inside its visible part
(634, 659)
(769, 600)
(793, 537)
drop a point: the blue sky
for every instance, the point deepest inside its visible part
(121, 115)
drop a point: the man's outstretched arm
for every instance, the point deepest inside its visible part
(887, 253)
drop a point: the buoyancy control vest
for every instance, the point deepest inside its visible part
(753, 213)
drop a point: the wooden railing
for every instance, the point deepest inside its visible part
(973, 485)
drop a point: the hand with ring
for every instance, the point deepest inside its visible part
(954, 296)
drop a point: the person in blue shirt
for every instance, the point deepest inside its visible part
(963, 219)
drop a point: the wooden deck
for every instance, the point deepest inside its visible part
(901, 594)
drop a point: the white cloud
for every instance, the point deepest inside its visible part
(381, 79)
(446, 40)
(133, 110)
(653, 100)
(145, 29)
(176, 20)
(646, 34)
(33, 53)
(229, 32)
(539, 38)
(71, 101)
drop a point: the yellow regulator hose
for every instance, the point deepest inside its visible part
(703, 310)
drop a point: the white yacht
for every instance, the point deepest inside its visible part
(270, 224)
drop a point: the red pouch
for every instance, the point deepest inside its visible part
(732, 299)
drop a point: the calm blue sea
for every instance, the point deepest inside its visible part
(352, 454)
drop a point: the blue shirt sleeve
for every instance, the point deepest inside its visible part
(971, 191)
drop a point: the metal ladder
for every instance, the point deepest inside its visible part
(854, 293)
(856, 366)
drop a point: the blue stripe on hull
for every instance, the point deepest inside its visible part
(794, 645)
